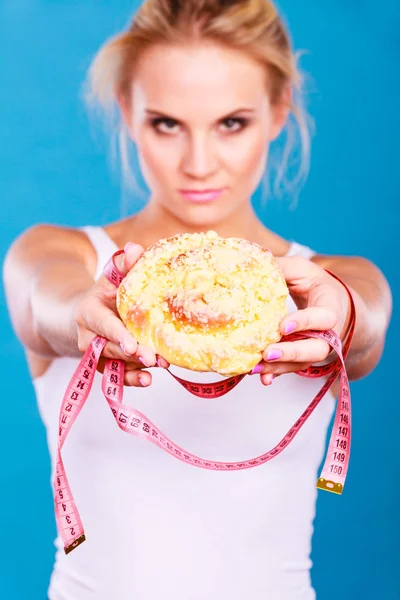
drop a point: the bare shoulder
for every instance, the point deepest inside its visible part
(30, 252)
(44, 237)
(46, 241)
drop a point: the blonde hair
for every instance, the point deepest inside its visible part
(252, 26)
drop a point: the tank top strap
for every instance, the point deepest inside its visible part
(103, 245)
(300, 250)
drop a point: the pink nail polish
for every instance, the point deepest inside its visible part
(142, 360)
(143, 383)
(124, 350)
(274, 355)
(128, 245)
(291, 326)
(257, 370)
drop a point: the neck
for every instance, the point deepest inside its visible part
(160, 223)
(155, 222)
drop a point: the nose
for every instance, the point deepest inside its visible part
(200, 157)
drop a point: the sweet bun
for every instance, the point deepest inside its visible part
(204, 302)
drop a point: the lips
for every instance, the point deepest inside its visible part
(201, 196)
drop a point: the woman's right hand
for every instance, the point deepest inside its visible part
(96, 315)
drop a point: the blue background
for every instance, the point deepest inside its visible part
(54, 167)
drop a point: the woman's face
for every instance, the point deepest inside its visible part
(202, 122)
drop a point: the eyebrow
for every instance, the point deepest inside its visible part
(153, 112)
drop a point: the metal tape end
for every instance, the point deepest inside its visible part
(75, 544)
(329, 486)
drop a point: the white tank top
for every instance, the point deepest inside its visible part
(158, 528)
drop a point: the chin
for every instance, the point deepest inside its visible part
(202, 220)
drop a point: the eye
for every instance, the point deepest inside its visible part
(234, 124)
(165, 125)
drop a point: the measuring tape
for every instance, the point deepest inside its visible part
(132, 421)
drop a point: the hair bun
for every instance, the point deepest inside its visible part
(204, 302)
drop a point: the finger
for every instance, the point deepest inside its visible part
(101, 365)
(267, 380)
(104, 322)
(132, 253)
(279, 368)
(329, 294)
(132, 377)
(162, 363)
(124, 263)
(142, 357)
(138, 378)
(299, 272)
(320, 318)
(302, 351)
(112, 351)
(145, 356)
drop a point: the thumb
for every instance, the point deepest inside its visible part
(124, 262)
(299, 272)
(132, 253)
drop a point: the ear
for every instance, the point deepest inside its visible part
(126, 110)
(280, 112)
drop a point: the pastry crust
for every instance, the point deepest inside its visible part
(204, 302)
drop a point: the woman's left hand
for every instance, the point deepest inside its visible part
(323, 304)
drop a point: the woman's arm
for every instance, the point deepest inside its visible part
(373, 300)
(45, 273)
(57, 309)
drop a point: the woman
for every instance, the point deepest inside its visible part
(203, 88)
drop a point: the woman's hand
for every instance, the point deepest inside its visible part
(96, 315)
(323, 304)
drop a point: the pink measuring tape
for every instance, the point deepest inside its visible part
(132, 421)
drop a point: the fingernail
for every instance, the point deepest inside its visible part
(160, 363)
(128, 245)
(267, 380)
(274, 355)
(142, 360)
(258, 369)
(124, 350)
(291, 326)
(131, 245)
(143, 382)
